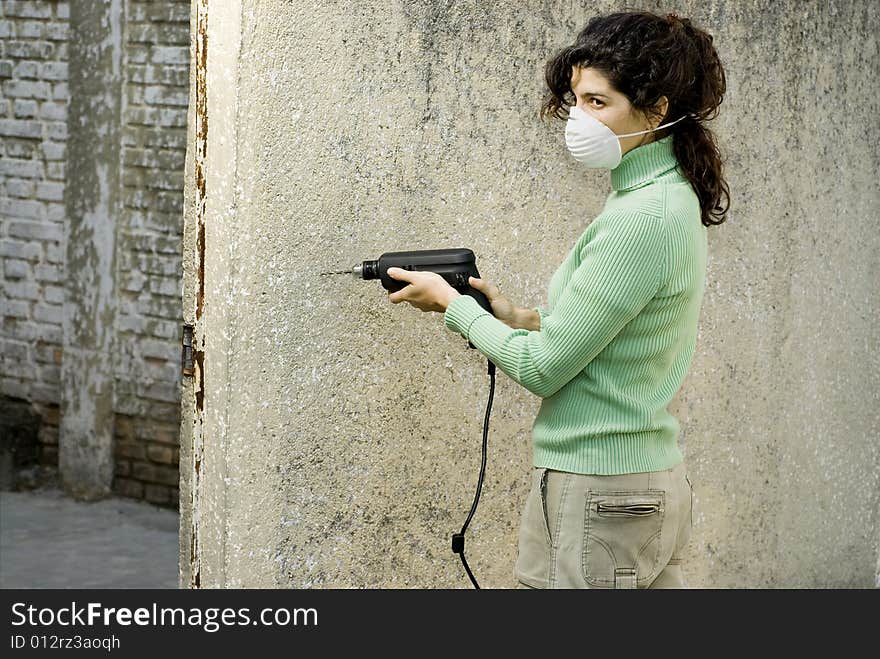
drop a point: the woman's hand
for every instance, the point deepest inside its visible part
(502, 308)
(427, 291)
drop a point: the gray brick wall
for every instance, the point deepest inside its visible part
(33, 132)
(33, 128)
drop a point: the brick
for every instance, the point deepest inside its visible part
(15, 387)
(48, 313)
(129, 449)
(122, 468)
(16, 309)
(169, 12)
(49, 333)
(16, 269)
(47, 354)
(53, 150)
(21, 188)
(168, 138)
(169, 55)
(45, 393)
(23, 209)
(27, 89)
(57, 32)
(55, 171)
(48, 435)
(172, 117)
(48, 191)
(7, 30)
(173, 34)
(163, 391)
(22, 290)
(162, 307)
(19, 350)
(167, 475)
(166, 329)
(31, 331)
(25, 148)
(62, 10)
(50, 374)
(26, 69)
(30, 29)
(55, 212)
(31, 9)
(54, 253)
(21, 168)
(53, 111)
(138, 54)
(141, 116)
(158, 349)
(20, 128)
(36, 230)
(164, 264)
(51, 415)
(129, 323)
(152, 242)
(40, 50)
(57, 130)
(53, 294)
(60, 91)
(124, 426)
(167, 286)
(144, 471)
(135, 94)
(20, 250)
(132, 281)
(128, 488)
(157, 494)
(49, 455)
(44, 272)
(156, 95)
(160, 453)
(25, 109)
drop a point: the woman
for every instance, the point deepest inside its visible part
(610, 504)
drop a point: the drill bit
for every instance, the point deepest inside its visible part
(356, 270)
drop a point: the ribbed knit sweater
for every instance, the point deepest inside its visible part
(620, 327)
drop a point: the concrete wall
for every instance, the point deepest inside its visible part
(90, 233)
(331, 439)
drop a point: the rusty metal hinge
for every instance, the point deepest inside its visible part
(186, 357)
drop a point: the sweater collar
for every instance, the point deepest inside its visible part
(643, 164)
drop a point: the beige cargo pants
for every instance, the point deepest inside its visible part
(591, 531)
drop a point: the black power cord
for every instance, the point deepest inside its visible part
(458, 538)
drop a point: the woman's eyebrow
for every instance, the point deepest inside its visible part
(595, 94)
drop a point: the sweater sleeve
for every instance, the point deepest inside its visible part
(620, 271)
(542, 313)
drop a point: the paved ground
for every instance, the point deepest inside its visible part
(48, 540)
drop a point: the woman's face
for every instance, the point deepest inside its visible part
(595, 96)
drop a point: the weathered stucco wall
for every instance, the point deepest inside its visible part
(331, 439)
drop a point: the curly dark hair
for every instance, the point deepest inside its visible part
(645, 57)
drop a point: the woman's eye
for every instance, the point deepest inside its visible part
(597, 101)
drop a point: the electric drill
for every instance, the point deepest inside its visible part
(454, 265)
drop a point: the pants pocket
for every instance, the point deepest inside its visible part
(687, 534)
(622, 537)
(532, 565)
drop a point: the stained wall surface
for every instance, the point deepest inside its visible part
(332, 439)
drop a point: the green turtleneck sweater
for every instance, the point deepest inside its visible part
(619, 330)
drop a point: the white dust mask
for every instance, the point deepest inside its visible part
(593, 143)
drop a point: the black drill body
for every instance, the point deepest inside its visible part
(454, 265)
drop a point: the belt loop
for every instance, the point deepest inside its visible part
(624, 578)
